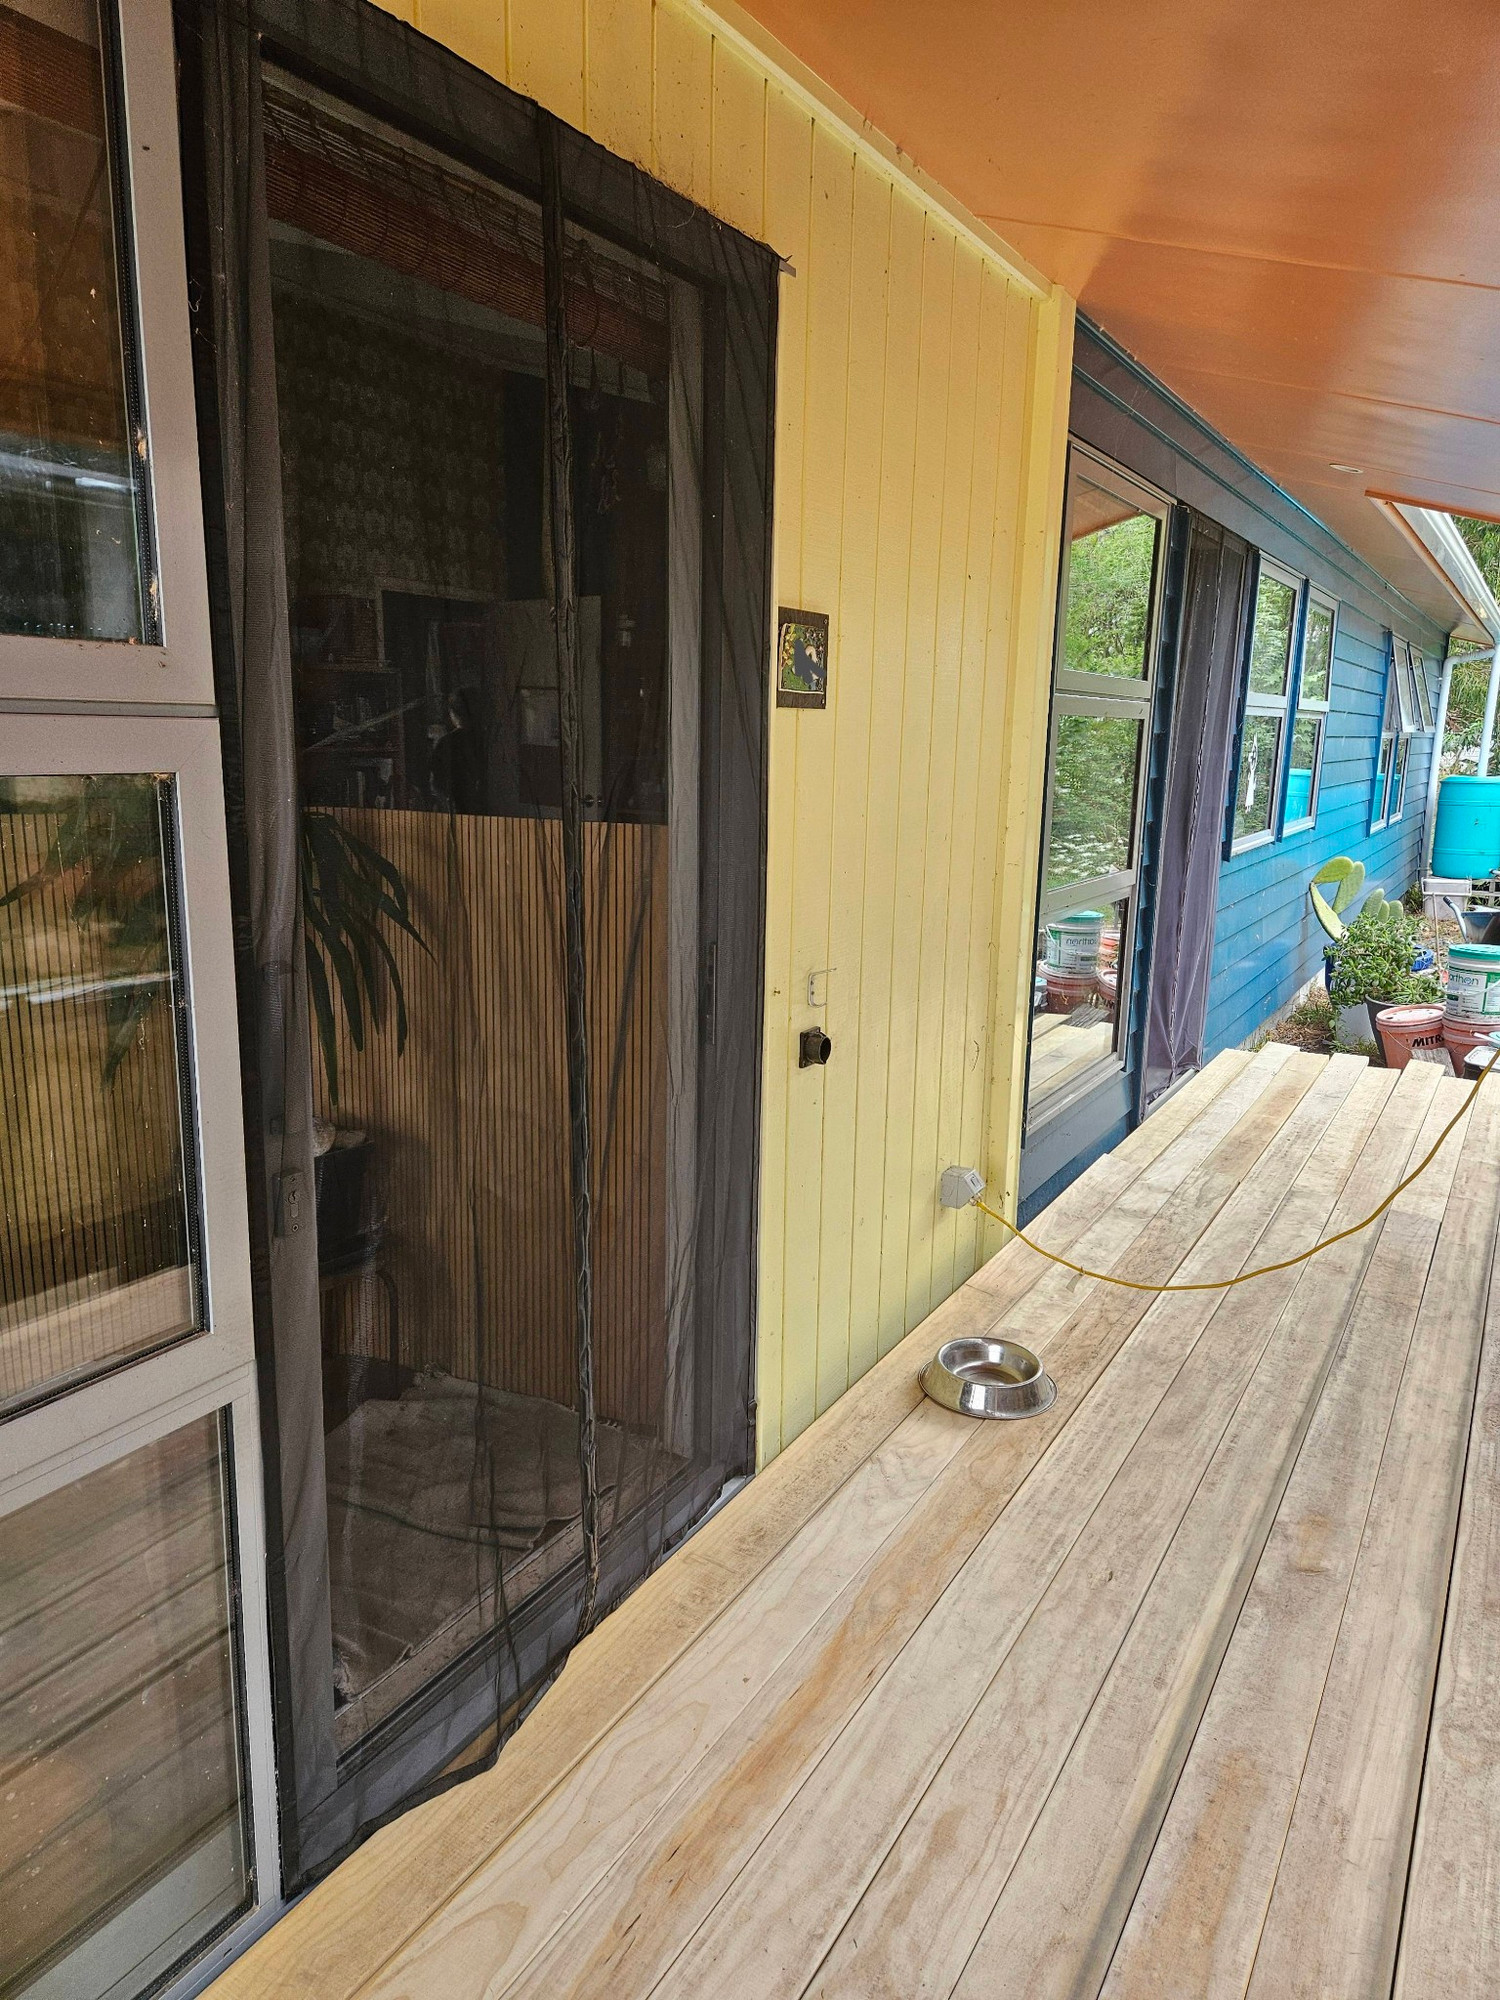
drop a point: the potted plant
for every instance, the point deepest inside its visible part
(1374, 965)
(106, 851)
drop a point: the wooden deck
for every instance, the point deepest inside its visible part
(1189, 1687)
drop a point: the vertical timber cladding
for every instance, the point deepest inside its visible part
(922, 385)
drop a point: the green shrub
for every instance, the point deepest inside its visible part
(1372, 960)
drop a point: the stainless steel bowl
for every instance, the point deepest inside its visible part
(983, 1377)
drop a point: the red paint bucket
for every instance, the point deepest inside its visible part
(1067, 990)
(1409, 1032)
(1461, 1036)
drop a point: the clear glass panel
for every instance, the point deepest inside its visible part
(1111, 569)
(1398, 778)
(1408, 707)
(69, 541)
(122, 1800)
(1271, 641)
(1260, 756)
(1306, 735)
(96, 1261)
(408, 308)
(1095, 769)
(1424, 691)
(1317, 653)
(1382, 777)
(1075, 994)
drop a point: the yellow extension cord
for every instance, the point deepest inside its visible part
(1262, 1270)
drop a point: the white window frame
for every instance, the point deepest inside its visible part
(1103, 695)
(1280, 706)
(178, 671)
(1405, 712)
(104, 708)
(1305, 706)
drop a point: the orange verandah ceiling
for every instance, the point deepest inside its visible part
(1289, 210)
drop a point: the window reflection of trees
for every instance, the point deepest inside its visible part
(1109, 599)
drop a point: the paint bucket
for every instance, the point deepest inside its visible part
(1107, 987)
(1461, 1036)
(1467, 838)
(1067, 990)
(1073, 942)
(1410, 1033)
(1474, 984)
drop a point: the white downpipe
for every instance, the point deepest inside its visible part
(1435, 768)
(1487, 733)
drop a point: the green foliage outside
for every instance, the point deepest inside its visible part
(1467, 690)
(1093, 797)
(1096, 757)
(1109, 598)
(1372, 960)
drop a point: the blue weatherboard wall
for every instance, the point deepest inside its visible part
(1267, 943)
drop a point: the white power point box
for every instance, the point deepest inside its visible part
(959, 1186)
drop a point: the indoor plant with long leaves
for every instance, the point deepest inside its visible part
(350, 892)
(106, 851)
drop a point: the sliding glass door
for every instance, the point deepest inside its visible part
(1104, 684)
(137, 1824)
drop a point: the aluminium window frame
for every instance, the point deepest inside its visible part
(1105, 696)
(1303, 705)
(1405, 708)
(176, 667)
(113, 707)
(1253, 703)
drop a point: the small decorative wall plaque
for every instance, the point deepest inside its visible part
(802, 659)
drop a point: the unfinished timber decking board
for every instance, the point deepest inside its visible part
(339, 1936)
(1451, 1940)
(812, 1694)
(1197, 1918)
(926, 1679)
(1332, 1926)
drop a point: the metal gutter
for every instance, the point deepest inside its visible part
(1435, 537)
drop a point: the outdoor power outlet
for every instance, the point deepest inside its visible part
(813, 1047)
(959, 1186)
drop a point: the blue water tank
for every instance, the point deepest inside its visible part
(1467, 841)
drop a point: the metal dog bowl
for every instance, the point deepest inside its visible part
(981, 1377)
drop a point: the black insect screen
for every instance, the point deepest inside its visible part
(490, 416)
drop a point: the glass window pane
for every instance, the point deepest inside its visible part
(95, 1255)
(1075, 998)
(1111, 568)
(1398, 778)
(1094, 771)
(122, 1824)
(1407, 706)
(1260, 754)
(1317, 654)
(69, 539)
(1306, 732)
(1382, 776)
(1271, 641)
(1424, 691)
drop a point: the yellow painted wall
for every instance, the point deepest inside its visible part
(921, 421)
